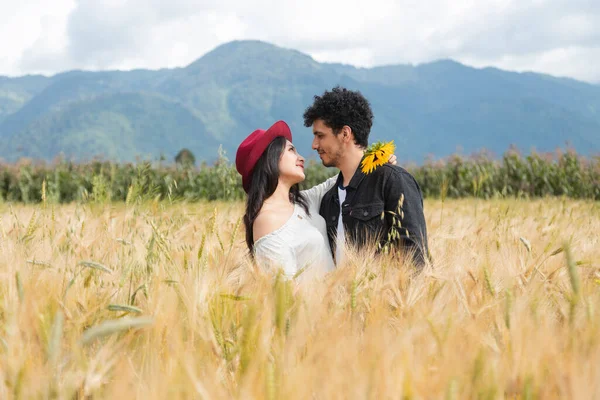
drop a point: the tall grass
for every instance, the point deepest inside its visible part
(514, 175)
(155, 300)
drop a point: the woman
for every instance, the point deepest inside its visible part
(283, 225)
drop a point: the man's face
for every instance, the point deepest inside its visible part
(327, 144)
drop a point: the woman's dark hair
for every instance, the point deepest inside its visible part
(340, 107)
(265, 177)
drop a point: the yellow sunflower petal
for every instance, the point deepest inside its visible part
(389, 147)
(378, 154)
(379, 162)
(368, 164)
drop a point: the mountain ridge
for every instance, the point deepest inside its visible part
(428, 109)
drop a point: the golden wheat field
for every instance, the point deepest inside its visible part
(160, 301)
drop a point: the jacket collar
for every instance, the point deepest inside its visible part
(357, 178)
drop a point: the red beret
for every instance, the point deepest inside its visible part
(254, 146)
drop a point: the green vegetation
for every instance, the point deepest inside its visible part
(536, 175)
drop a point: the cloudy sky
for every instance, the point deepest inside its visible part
(559, 37)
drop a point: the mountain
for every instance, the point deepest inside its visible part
(428, 109)
(15, 92)
(114, 124)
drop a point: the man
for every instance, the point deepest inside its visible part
(341, 121)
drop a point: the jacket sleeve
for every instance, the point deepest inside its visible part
(403, 198)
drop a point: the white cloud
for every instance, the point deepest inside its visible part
(33, 28)
(573, 61)
(560, 37)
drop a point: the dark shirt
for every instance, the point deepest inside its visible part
(389, 189)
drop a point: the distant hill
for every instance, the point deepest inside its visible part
(429, 109)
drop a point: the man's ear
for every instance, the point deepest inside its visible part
(347, 134)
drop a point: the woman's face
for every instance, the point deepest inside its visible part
(291, 165)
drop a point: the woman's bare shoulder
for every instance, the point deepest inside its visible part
(269, 220)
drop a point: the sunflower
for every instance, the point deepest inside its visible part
(377, 154)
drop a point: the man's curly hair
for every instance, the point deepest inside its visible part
(340, 107)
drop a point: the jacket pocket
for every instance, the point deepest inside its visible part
(367, 212)
(365, 223)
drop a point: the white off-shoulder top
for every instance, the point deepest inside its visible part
(300, 246)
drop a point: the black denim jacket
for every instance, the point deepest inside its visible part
(370, 196)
